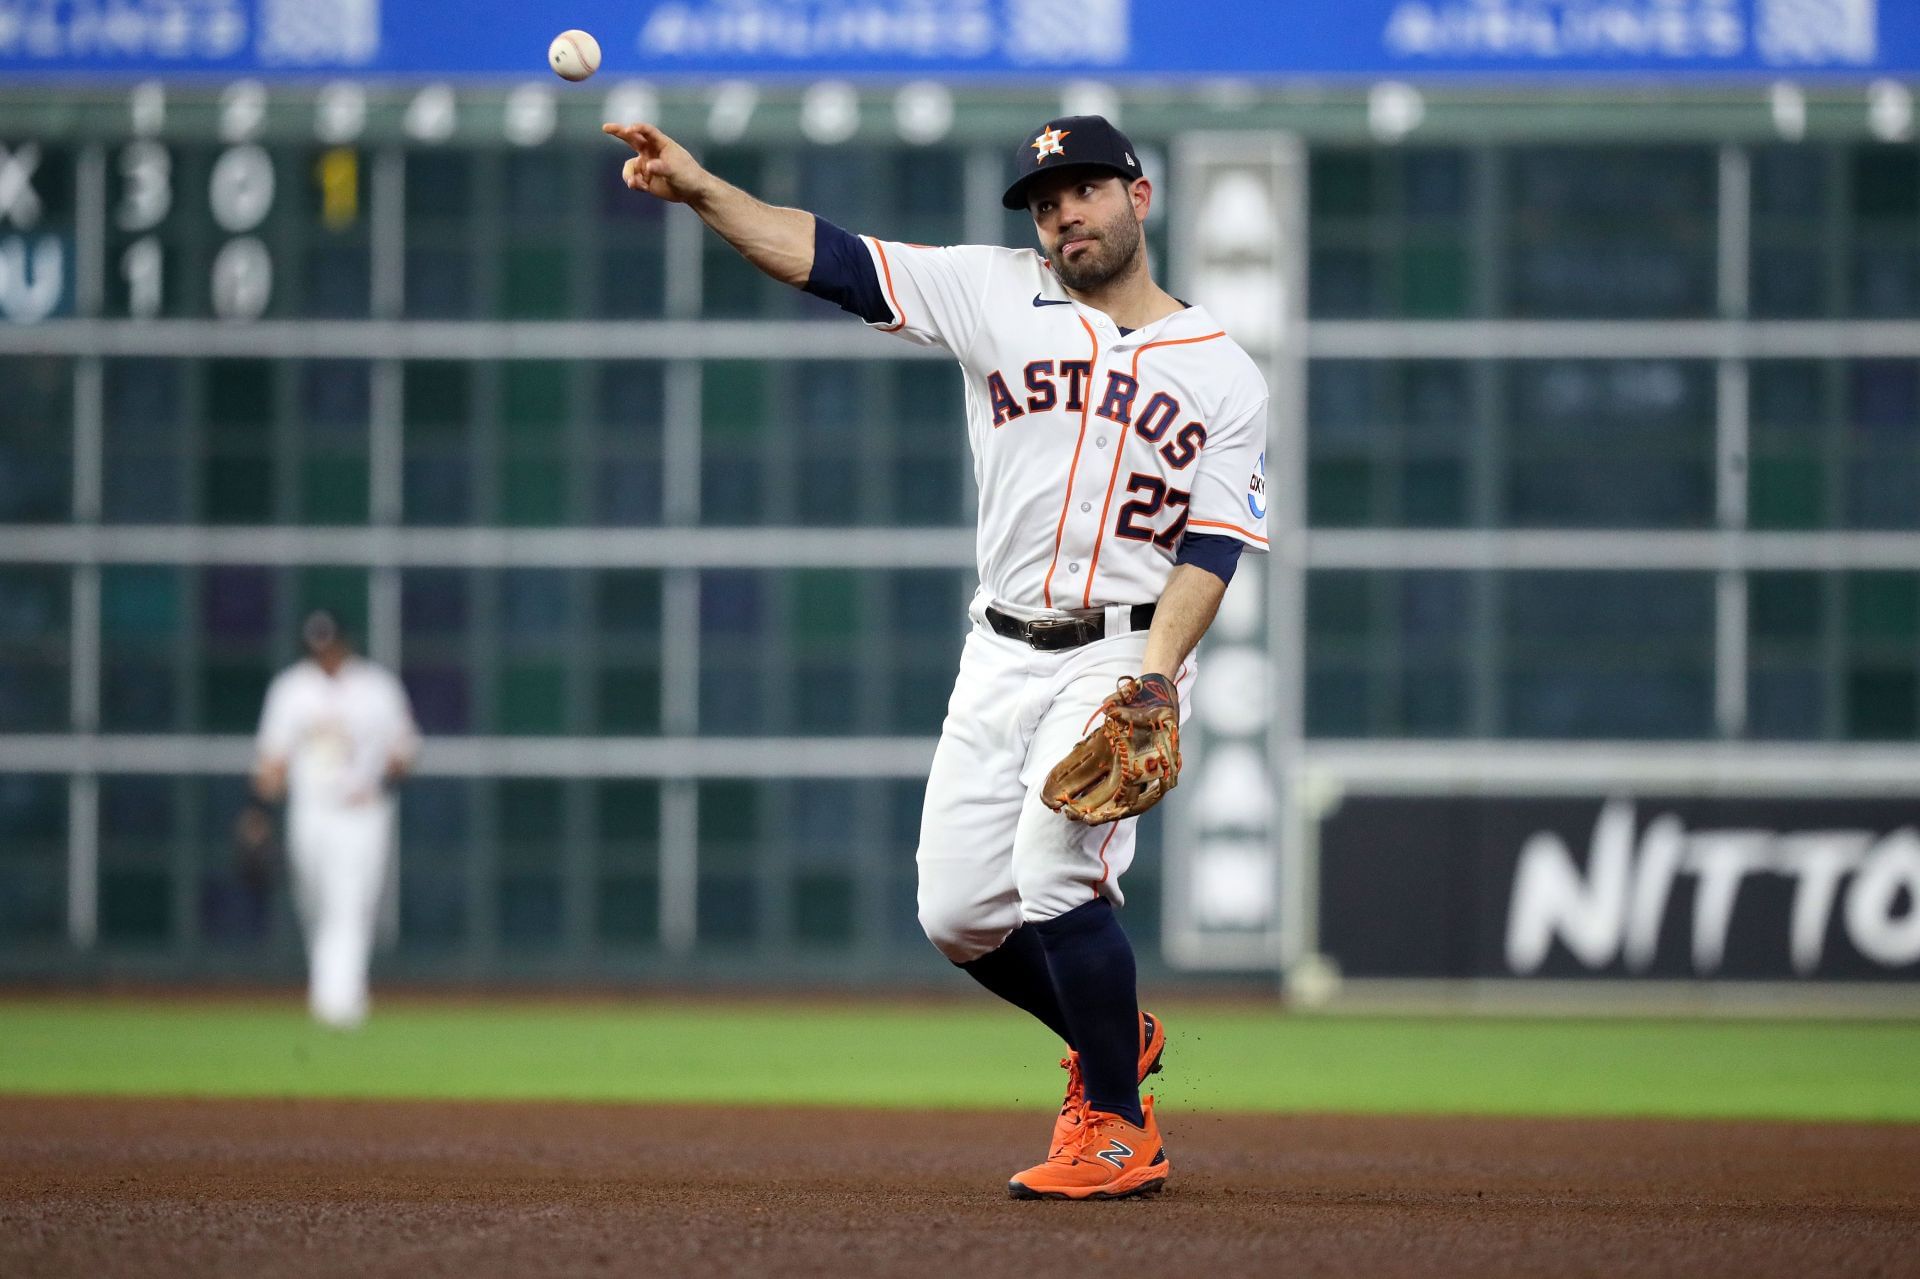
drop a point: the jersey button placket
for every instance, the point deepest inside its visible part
(1086, 481)
(1096, 474)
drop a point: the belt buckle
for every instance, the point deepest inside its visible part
(1045, 632)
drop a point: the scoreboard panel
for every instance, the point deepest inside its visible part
(474, 280)
(348, 202)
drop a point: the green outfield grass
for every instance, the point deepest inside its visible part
(890, 1054)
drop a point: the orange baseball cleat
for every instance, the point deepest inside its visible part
(1105, 1158)
(1153, 1043)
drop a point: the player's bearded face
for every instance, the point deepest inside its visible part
(1100, 240)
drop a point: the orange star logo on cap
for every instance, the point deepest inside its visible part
(1048, 143)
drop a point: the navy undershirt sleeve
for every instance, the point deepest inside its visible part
(843, 273)
(1211, 551)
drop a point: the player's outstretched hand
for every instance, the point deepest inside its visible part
(659, 166)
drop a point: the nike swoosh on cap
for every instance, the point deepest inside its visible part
(1040, 301)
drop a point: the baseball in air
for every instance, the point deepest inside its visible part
(574, 55)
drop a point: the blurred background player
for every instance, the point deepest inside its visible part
(336, 733)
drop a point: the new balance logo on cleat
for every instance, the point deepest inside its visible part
(1100, 1158)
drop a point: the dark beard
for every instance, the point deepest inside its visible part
(1111, 256)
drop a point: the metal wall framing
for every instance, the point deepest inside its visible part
(682, 548)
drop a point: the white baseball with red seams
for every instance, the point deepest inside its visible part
(574, 55)
(1094, 451)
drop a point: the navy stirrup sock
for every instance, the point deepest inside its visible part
(1017, 971)
(1092, 964)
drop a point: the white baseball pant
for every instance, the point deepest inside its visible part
(991, 853)
(339, 856)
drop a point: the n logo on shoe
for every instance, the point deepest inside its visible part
(1116, 1153)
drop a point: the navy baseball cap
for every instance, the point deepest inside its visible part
(1071, 142)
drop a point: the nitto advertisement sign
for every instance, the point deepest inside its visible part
(957, 38)
(1649, 886)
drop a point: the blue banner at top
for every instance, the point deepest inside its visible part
(994, 39)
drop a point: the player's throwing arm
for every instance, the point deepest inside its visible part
(778, 241)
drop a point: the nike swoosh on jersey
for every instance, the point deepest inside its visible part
(1040, 301)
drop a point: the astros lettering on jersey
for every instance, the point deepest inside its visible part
(1093, 449)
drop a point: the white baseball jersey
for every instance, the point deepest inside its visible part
(337, 733)
(1094, 450)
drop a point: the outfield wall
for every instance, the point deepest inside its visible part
(1773, 870)
(1594, 428)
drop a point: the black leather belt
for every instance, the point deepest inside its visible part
(1052, 634)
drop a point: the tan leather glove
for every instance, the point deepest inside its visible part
(1127, 763)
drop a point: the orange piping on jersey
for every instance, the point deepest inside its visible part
(1073, 468)
(892, 301)
(1192, 523)
(1126, 433)
(1106, 870)
(1206, 337)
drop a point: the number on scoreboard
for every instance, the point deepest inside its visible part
(36, 232)
(241, 232)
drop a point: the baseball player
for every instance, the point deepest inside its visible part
(1118, 440)
(336, 734)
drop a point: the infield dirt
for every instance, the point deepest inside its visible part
(96, 1187)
